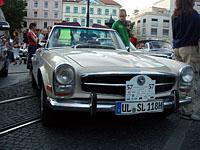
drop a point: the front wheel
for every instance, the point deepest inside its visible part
(165, 113)
(46, 111)
(34, 84)
(4, 71)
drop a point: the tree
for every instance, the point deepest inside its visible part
(14, 13)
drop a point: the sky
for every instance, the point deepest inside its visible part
(131, 5)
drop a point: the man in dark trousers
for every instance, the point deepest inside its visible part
(186, 34)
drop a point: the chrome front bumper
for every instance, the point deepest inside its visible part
(102, 106)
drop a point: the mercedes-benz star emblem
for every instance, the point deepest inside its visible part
(141, 80)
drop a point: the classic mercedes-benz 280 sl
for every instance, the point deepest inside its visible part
(90, 69)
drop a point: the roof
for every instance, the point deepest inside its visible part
(110, 2)
(107, 2)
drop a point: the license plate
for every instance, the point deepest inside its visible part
(130, 108)
(140, 88)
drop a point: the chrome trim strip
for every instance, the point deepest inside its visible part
(134, 73)
(84, 105)
(107, 84)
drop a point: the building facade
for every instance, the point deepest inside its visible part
(100, 11)
(155, 22)
(43, 12)
(152, 23)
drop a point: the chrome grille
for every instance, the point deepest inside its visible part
(115, 83)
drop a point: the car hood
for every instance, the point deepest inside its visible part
(122, 59)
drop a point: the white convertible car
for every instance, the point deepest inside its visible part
(89, 69)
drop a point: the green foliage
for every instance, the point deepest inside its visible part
(14, 13)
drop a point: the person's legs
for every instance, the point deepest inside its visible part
(188, 55)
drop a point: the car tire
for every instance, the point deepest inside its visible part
(34, 84)
(46, 111)
(165, 114)
(4, 72)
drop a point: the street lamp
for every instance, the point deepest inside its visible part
(88, 13)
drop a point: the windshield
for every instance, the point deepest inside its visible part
(159, 45)
(84, 38)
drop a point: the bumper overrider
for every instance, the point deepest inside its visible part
(94, 105)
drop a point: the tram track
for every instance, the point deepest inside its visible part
(18, 125)
(18, 112)
(17, 99)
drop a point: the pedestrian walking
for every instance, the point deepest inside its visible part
(16, 47)
(121, 27)
(186, 34)
(32, 43)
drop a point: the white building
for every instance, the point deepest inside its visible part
(100, 11)
(43, 12)
(170, 5)
(155, 22)
(152, 23)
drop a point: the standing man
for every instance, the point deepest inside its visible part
(32, 43)
(121, 27)
(186, 34)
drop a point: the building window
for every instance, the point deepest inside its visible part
(35, 4)
(83, 10)
(67, 19)
(143, 31)
(25, 13)
(76, 10)
(144, 23)
(26, 4)
(154, 31)
(138, 23)
(67, 9)
(99, 11)
(154, 19)
(106, 11)
(55, 14)
(25, 24)
(35, 14)
(166, 23)
(56, 4)
(82, 22)
(46, 4)
(99, 21)
(46, 14)
(45, 24)
(198, 6)
(91, 22)
(154, 22)
(165, 32)
(114, 12)
(75, 20)
(91, 10)
(138, 30)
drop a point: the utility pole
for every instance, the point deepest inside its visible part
(88, 13)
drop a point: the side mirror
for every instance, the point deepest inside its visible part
(4, 25)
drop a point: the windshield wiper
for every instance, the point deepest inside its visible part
(89, 45)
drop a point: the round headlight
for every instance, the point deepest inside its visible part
(187, 74)
(64, 74)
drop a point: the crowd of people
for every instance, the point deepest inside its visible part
(30, 39)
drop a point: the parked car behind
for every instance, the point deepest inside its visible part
(95, 73)
(156, 48)
(23, 54)
(4, 61)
